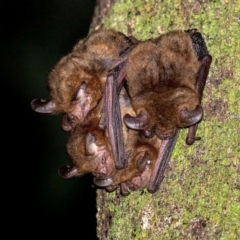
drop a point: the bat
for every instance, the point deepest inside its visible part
(166, 77)
(141, 155)
(77, 84)
(89, 149)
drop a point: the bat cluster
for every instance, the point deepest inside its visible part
(123, 102)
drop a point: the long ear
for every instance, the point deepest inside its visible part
(190, 117)
(43, 106)
(66, 126)
(66, 171)
(136, 123)
(142, 161)
(102, 182)
(81, 92)
(91, 144)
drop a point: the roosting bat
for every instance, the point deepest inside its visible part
(90, 151)
(165, 78)
(76, 83)
(141, 153)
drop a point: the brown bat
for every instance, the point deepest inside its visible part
(141, 155)
(165, 79)
(77, 82)
(90, 151)
(153, 76)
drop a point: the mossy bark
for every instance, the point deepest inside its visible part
(200, 195)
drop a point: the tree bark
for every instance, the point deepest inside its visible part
(200, 195)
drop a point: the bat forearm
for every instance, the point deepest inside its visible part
(164, 155)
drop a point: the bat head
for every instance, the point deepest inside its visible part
(90, 153)
(74, 91)
(76, 82)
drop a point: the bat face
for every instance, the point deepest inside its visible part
(77, 81)
(90, 153)
(161, 77)
(89, 149)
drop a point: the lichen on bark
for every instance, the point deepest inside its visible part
(200, 195)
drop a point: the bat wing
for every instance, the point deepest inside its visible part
(164, 155)
(112, 118)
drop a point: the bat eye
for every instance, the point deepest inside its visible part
(103, 159)
(71, 118)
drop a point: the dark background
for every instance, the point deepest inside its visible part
(36, 201)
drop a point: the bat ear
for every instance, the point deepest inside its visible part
(102, 182)
(91, 144)
(43, 106)
(190, 117)
(66, 126)
(81, 92)
(136, 123)
(66, 171)
(143, 161)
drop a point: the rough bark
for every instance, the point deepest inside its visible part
(200, 195)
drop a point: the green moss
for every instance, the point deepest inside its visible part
(200, 195)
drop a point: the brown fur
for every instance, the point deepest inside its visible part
(161, 81)
(95, 156)
(88, 63)
(141, 154)
(161, 76)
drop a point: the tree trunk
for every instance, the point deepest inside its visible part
(199, 197)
